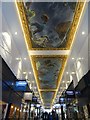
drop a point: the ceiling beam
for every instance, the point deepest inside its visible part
(49, 52)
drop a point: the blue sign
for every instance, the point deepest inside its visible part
(20, 86)
(70, 92)
(21, 83)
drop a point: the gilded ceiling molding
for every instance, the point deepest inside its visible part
(75, 24)
(64, 58)
(49, 90)
(35, 75)
(24, 24)
(70, 39)
(77, 16)
(60, 78)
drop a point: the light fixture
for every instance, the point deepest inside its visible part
(12, 107)
(78, 64)
(73, 73)
(67, 73)
(25, 58)
(15, 33)
(26, 77)
(32, 81)
(35, 87)
(68, 81)
(63, 81)
(18, 109)
(73, 58)
(83, 33)
(80, 58)
(24, 72)
(18, 58)
(59, 92)
(29, 72)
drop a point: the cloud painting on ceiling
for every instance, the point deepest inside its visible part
(47, 97)
(48, 71)
(49, 23)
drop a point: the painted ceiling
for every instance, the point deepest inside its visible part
(48, 70)
(49, 99)
(49, 23)
(49, 26)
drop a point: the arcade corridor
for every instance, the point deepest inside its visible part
(45, 60)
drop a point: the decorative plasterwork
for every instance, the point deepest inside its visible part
(33, 59)
(27, 33)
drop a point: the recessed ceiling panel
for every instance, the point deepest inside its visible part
(48, 70)
(47, 97)
(49, 23)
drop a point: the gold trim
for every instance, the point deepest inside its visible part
(77, 16)
(35, 75)
(48, 90)
(75, 24)
(24, 25)
(63, 57)
(60, 77)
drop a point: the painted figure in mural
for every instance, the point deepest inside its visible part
(42, 41)
(48, 70)
(39, 26)
(28, 4)
(62, 29)
(48, 25)
(30, 13)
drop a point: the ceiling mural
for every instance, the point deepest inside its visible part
(49, 26)
(49, 23)
(47, 97)
(48, 70)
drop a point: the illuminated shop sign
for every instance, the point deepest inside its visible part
(20, 86)
(21, 83)
(27, 96)
(70, 92)
(34, 99)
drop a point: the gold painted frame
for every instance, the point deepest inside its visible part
(64, 58)
(24, 25)
(27, 34)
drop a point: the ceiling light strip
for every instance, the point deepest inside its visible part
(32, 63)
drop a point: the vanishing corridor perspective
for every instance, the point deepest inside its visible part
(45, 60)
